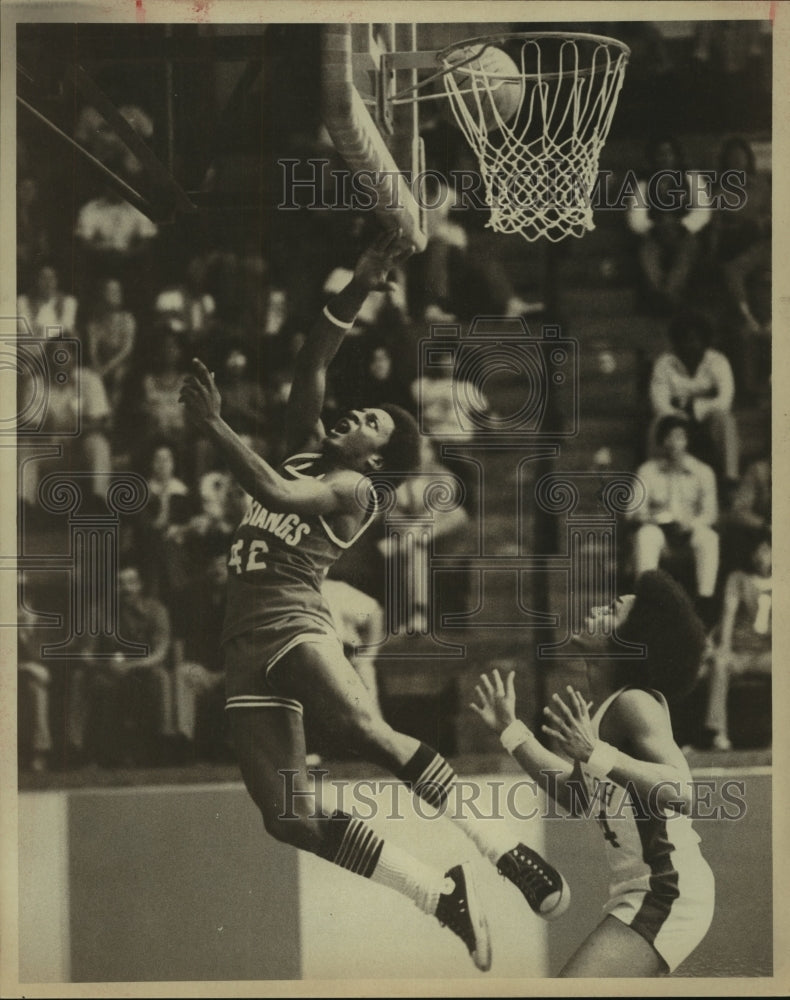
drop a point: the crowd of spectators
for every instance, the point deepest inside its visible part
(138, 316)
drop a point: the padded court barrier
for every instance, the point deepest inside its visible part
(179, 883)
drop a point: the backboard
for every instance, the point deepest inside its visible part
(372, 133)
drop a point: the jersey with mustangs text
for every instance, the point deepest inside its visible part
(278, 560)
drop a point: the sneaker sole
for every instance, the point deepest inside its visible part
(481, 956)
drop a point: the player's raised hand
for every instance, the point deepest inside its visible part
(386, 252)
(200, 396)
(496, 703)
(571, 725)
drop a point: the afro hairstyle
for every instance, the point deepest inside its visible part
(402, 452)
(664, 621)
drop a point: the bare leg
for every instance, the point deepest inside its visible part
(724, 433)
(614, 950)
(270, 747)
(321, 678)
(705, 546)
(716, 716)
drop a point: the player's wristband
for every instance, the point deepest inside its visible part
(514, 735)
(339, 323)
(602, 759)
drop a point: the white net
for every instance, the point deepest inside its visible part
(539, 162)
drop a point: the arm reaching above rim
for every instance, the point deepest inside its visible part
(304, 429)
(334, 496)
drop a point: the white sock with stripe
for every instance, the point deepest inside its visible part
(363, 852)
(405, 874)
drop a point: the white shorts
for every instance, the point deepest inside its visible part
(673, 914)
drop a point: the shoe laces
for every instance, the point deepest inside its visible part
(532, 876)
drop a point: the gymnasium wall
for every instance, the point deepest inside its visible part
(175, 884)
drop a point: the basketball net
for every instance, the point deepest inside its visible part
(539, 167)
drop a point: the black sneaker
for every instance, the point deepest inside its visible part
(460, 910)
(542, 886)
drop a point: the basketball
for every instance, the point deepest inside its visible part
(490, 85)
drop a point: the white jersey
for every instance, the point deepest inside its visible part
(642, 841)
(660, 884)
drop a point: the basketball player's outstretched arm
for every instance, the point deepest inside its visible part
(656, 768)
(304, 429)
(337, 496)
(497, 708)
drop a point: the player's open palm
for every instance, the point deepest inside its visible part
(199, 394)
(496, 704)
(375, 264)
(572, 725)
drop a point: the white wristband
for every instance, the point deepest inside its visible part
(513, 735)
(602, 759)
(338, 322)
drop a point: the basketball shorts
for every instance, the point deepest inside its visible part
(674, 914)
(250, 657)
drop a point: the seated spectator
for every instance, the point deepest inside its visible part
(243, 401)
(112, 240)
(33, 240)
(360, 622)
(743, 642)
(157, 525)
(741, 248)
(112, 227)
(222, 503)
(132, 695)
(433, 283)
(35, 737)
(437, 400)
(752, 501)
(161, 413)
(448, 528)
(669, 209)
(244, 406)
(187, 308)
(678, 512)
(741, 237)
(695, 381)
(461, 272)
(45, 311)
(749, 516)
(111, 334)
(77, 402)
(197, 613)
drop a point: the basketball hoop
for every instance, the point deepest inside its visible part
(536, 109)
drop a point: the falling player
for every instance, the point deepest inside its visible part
(636, 783)
(282, 653)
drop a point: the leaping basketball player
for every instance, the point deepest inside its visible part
(624, 767)
(282, 653)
